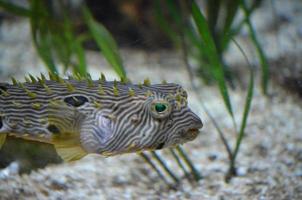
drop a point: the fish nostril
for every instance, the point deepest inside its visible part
(134, 119)
(170, 123)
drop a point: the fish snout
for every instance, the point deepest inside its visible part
(193, 130)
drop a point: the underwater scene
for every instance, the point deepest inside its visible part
(142, 99)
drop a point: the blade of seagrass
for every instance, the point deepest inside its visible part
(196, 174)
(164, 166)
(154, 167)
(180, 164)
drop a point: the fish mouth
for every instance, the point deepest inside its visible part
(183, 136)
(191, 133)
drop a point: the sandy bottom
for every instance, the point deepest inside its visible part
(270, 160)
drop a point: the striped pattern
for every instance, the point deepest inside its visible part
(107, 117)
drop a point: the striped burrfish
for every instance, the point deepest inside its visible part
(104, 117)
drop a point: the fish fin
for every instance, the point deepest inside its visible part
(2, 139)
(66, 122)
(68, 146)
(70, 152)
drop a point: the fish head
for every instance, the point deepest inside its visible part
(156, 117)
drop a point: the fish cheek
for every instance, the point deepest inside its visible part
(104, 128)
(96, 134)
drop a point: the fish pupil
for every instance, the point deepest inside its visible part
(159, 107)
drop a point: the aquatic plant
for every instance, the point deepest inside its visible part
(202, 37)
(205, 38)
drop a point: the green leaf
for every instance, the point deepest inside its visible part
(247, 107)
(261, 54)
(105, 42)
(164, 24)
(234, 31)
(185, 157)
(213, 8)
(80, 53)
(231, 11)
(15, 9)
(165, 167)
(40, 34)
(73, 47)
(212, 55)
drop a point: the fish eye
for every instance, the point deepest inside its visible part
(160, 108)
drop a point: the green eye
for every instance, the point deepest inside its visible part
(159, 107)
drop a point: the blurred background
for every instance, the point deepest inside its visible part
(239, 60)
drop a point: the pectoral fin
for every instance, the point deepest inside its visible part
(65, 124)
(2, 133)
(70, 149)
(2, 139)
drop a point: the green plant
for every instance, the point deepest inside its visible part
(174, 17)
(55, 38)
(205, 39)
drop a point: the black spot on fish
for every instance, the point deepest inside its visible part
(2, 88)
(53, 129)
(75, 101)
(1, 123)
(160, 146)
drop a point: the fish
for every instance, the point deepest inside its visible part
(85, 116)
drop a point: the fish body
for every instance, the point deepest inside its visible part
(104, 117)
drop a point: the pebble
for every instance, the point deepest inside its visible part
(120, 180)
(11, 170)
(242, 171)
(59, 183)
(298, 172)
(212, 156)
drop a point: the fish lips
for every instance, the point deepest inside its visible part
(188, 134)
(185, 134)
(192, 132)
